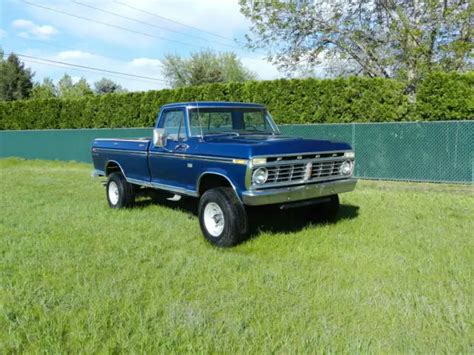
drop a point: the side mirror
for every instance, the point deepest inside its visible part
(159, 137)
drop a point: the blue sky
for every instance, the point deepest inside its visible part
(42, 33)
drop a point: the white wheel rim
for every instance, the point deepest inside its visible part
(113, 193)
(214, 219)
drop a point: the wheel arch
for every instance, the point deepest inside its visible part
(113, 166)
(211, 179)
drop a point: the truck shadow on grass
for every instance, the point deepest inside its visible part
(263, 218)
(274, 220)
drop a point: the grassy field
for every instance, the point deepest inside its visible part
(393, 274)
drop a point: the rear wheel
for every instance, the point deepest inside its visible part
(120, 193)
(222, 217)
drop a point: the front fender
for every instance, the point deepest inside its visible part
(235, 175)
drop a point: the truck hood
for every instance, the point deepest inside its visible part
(247, 146)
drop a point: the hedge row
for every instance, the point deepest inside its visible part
(440, 97)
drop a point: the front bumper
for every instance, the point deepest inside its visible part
(297, 193)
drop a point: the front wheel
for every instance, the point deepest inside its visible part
(222, 217)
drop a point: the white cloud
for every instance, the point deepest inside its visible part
(75, 54)
(146, 62)
(3, 33)
(31, 30)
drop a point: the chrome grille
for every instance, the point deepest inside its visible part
(282, 171)
(326, 168)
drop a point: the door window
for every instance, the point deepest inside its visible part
(174, 124)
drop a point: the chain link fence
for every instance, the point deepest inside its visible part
(410, 151)
(439, 151)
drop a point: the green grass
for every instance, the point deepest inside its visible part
(393, 274)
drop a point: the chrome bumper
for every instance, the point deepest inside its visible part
(297, 193)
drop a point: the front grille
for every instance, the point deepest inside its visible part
(283, 172)
(326, 168)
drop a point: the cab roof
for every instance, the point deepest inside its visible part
(212, 104)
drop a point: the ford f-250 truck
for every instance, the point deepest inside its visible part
(230, 156)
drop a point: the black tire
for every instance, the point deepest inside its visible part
(328, 211)
(125, 192)
(235, 224)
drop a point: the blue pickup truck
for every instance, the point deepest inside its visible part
(230, 156)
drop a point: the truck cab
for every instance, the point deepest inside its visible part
(230, 156)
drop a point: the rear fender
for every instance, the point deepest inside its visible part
(111, 163)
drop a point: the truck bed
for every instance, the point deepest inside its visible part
(129, 153)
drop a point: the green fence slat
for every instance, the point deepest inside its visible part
(67, 144)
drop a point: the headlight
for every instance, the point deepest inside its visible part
(346, 167)
(260, 176)
(349, 155)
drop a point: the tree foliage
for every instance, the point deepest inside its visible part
(15, 80)
(405, 39)
(204, 67)
(69, 90)
(107, 86)
(44, 90)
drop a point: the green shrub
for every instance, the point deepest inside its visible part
(442, 96)
(446, 96)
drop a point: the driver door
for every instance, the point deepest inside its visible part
(167, 166)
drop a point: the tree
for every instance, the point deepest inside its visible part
(82, 88)
(45, 90)
(15, 80)
(68, 90)
(203, 68)
(405, 39)
(107, 86)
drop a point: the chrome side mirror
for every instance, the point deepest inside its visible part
(159, 137)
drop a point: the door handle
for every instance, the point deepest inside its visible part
(182, 146)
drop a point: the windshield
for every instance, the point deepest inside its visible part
(226, 120)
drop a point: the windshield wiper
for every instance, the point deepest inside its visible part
(222, 133)
(252, 131)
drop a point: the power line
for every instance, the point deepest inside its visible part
(54, 45)
(90, 68)
(150, 24)
(171, 20)
(65, 48)
(110, 24)
(84, 70)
